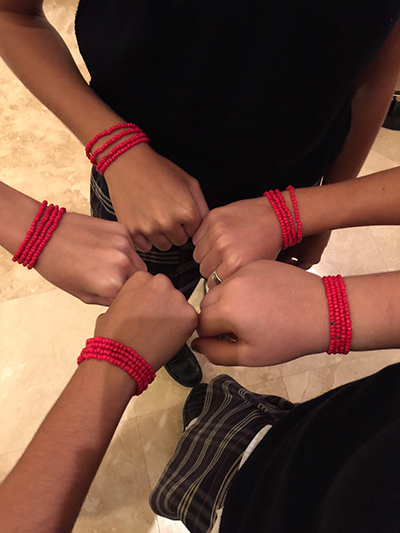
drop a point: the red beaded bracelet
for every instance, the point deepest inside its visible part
(340, 330)
(45, 222)
(120, 355)
(119, 150)
(138, 137)
(110, 142)
(285, 217)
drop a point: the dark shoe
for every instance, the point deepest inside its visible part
(194, 404)
(184, 368)
(392, 120)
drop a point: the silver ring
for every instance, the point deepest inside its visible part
(215, 278)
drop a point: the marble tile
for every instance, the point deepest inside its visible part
(309, 362)
(40, 339)
(387, 144)
(163, 392)
(118, 498)
(275, 386)
(313, 382)
(17, 282)
(170, 526)
(387, 239)
(160, 432)
(8, 461)
(246, 376)
(376, 162)
(350, 251)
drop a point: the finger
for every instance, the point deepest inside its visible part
(161, 242)
(213, 322)
(142, 243)
(224, 271)
(193, 225)
(198, 196)
(99, 300)
(211, 298)
(137, 263)
(201, 232)
(219, 351)
(210, 263)
(202, 249)
(178, 236)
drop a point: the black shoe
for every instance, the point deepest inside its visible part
(392, 120)
(194, 404)
(184, 368)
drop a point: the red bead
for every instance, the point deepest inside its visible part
(124, 356)
(91, 143)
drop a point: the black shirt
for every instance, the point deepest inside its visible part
(245, 95)
(332, 465)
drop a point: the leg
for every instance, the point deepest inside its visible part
(197, 478)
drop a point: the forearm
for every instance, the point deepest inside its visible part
(372, 96)
(374, 302)
(46, 489)
(16, 214)
(373, 200)
(38, 56)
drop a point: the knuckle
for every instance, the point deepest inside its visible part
(161, 281)
(233, 261)
(122, 261)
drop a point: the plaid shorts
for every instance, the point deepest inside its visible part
(177, 263)
(196, 480)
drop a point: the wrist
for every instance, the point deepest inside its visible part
(135, 158)
(270, 221)
(103, 375)
(17, 212)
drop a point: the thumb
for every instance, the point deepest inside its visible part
(218, 351)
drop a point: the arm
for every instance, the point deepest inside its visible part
(245, 231)
(278, 312)
(87, 257)
(372, 96)
(46, 489)
(154, 198)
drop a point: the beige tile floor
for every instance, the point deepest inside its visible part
(43, 329)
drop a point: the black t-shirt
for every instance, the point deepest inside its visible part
(332, 465)
(245, 95)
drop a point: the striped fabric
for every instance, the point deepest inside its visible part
(195, 482)
(177, 263)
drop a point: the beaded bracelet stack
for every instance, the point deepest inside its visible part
(340, 330)
(285, 217)
(120, 355)
(39, 234)
(127, 129)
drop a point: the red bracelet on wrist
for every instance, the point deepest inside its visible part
(138, 137)
(120, 355)
(340, 330)
(39, 234)
(285, 217)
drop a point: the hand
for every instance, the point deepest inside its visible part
(150, 316)
(237, 234)
(308, 252)
(159, 202)
(89, 258)
(275, 311)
